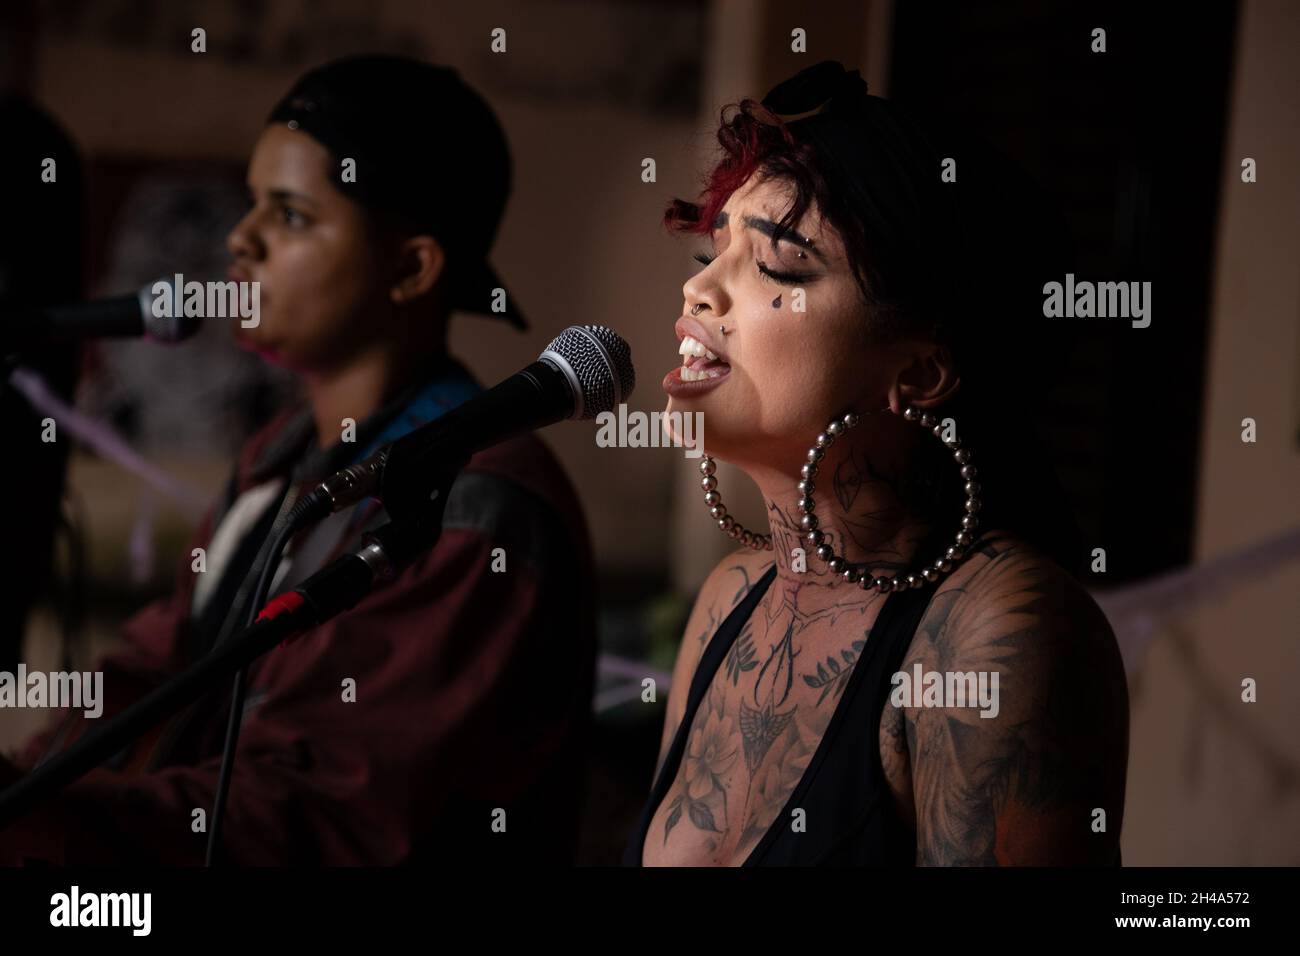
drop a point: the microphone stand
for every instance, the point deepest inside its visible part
(416, 507)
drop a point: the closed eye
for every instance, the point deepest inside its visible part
(771, 275)
(785, 278)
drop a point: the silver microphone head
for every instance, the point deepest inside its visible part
(597, 363)
(166, 329)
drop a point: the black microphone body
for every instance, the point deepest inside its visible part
(584, 371)
(126, 316)
(532, 398)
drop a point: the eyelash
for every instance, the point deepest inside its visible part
(288, 215)
(784, 278)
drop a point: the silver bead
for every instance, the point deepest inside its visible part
(911, 413)
(852, 575)
(747, 538)
(726, 522)
(962, 455)
(943, 565)
(927, 420)
(709, 483)
(938, 431)
(834, 428)
(969, 522)
(823, 440)
(930, 574)
(707, 467)
(808, 471)
(850, 419)
(968, 472)
(972, 487)
(806, 504)
(767, 542)
(836, 564)
(712, 498)
(913, 581)
(972, 505)
(815, 455)
(825, 552)
(952, 554)
(735, 531)
(718, 511)
(866, 582)
(806, 487)
(808, 522)
(815, 538)
(965, 539)
(884, 585)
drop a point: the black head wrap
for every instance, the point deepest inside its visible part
(429, 153)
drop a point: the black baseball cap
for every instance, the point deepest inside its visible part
(429, 153)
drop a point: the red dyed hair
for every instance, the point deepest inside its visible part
(960, 265)
(755, 140)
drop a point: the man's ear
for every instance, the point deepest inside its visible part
(928, 380)
(421, 263)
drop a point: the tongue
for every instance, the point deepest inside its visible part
(701, 362)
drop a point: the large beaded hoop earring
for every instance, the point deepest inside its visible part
(816, 539)
(854, 574)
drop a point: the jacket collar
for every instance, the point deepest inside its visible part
(293, 450)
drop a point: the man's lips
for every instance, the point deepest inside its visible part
(236, 274)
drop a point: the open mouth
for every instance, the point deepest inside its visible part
(698, 362)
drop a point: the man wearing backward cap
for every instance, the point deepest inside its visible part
(473, 670)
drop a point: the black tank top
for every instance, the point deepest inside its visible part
(850, 815)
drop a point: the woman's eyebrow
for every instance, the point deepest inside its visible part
(768, 228)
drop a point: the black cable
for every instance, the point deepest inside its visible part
(314, 505)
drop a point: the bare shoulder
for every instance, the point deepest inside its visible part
(725, 587)
(1033, 772)
(1008, 586)
(728, 583)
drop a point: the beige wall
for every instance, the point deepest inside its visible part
(1213, 780)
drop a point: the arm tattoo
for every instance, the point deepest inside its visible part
(1020, 787)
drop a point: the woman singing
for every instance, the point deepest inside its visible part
(899, 669)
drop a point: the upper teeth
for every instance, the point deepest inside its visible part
(694, 348)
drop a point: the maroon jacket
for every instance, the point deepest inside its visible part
(473, 690)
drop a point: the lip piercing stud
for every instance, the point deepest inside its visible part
(722, 329)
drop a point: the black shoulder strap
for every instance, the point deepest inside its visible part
(722, 640)
(709, 662)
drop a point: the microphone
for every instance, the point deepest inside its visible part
(586, 370)
(124, 316)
